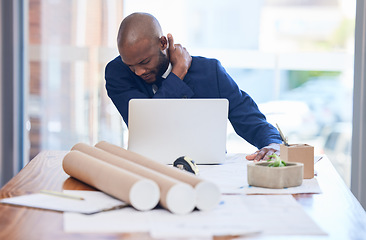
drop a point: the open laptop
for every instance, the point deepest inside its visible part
(165, 129)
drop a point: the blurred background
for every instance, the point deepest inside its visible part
(294, 57)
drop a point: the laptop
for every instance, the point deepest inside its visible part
(166, 129)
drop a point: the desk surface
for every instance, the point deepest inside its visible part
(336, 210)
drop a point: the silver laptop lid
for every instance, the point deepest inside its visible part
(165, 129)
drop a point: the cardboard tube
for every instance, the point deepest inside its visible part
(208, 194)
(176, 196)
(143, 194)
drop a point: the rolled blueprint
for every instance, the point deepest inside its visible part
(176, 196)
(142, 193)
(207, 193)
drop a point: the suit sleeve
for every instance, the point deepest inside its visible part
(122, 85)
(174, 87)
(248, 122)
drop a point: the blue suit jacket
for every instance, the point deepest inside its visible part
(206, 78)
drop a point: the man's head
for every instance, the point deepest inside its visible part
(142, 46)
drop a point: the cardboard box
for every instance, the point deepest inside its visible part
(301, 153)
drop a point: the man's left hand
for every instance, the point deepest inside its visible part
(264, 153)
(179, 58)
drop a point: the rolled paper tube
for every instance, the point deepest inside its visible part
(176, 196)
(143, 194)
(208, 194)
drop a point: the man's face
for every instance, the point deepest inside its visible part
(146, 59)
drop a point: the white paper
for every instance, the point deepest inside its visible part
(118, 221)
(280, 215)
(235, 215)
(240, 215)
(307, 186)
(231, 178)
(93, 202)
(226, 219)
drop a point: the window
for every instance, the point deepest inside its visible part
(295, 58)
(70, 43)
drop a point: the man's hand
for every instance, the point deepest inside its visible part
(179, 58)
(264, 153)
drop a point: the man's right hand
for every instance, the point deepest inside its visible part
(179, 58)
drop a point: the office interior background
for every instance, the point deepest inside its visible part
(294, 57)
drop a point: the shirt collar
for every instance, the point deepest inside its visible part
(165, 75)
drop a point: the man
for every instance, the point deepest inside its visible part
(150, 65)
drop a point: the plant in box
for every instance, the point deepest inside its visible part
(275, 161)
(275, 173)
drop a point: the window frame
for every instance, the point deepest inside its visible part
(358, 169)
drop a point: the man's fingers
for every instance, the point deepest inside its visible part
(260, 155)
(269, 153)
(170, 41)
(264, 153)
(251, 156)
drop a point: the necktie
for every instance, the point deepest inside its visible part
(154, 88)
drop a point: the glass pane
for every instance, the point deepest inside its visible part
(295, 58)
(70, 43)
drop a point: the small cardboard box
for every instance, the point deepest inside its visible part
(301, 153)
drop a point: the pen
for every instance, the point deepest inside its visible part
(282, 136)
(60, 194)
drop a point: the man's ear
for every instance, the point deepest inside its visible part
(163, 43)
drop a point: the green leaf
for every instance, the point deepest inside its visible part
(275, 161)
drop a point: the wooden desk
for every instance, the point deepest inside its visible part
(336, 210)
